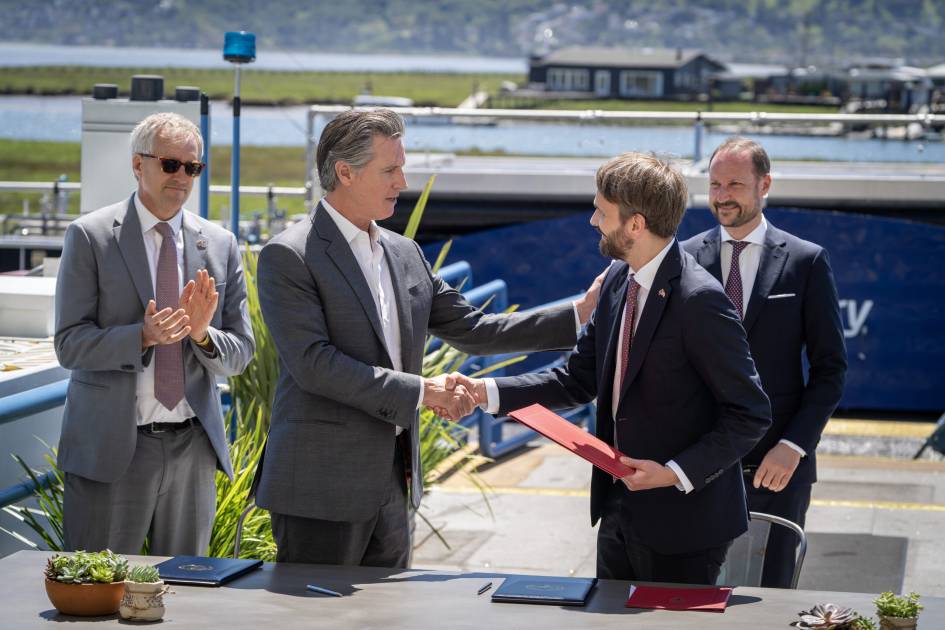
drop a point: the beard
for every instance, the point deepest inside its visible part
(615, 245)
(742, 215)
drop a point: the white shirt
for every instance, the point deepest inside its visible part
(748, 263)
(148, 409)
(369, 253)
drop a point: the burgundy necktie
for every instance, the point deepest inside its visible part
(628, 317)
(168, 358)
(733, 286)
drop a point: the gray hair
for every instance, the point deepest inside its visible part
(349, 138)
(169, 125)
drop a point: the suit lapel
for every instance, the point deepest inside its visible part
(195, 248)
(656, 301)
(127, 232)
(773, 257)
(709, 255)
(340, 253)
(398, 277)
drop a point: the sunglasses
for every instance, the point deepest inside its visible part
(170, 165)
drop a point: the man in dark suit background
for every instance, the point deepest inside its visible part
(349, 305)
(666, 357)
(784, 289)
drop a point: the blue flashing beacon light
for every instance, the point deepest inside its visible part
(239, 47)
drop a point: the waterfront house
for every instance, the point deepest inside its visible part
(623, 73)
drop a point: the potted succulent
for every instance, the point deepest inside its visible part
(86, 584)
(144, 595)
(898, 612)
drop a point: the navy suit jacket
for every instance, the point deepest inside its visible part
(691, 395)
(793, 307)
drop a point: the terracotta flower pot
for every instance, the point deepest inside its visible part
(898, 623)
(85, 600)
(143, 601)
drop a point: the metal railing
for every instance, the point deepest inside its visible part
(22, 405)
(318, 116)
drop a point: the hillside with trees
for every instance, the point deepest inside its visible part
(797, 32)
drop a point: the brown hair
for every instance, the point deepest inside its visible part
(738, 144)
(349, 138)
(647, 185)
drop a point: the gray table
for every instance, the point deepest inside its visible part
(275, 596)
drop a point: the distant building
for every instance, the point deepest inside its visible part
(903, 88)
(646, 73)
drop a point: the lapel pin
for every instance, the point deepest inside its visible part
(662, 293)
(202, 243)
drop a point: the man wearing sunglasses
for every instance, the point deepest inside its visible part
(150, 311)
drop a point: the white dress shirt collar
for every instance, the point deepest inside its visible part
(348, 229)
(756, 236)
(148, 220)
(647, 273)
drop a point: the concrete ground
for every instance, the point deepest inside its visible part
(877, 519)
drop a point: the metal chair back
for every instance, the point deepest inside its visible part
(746, 557)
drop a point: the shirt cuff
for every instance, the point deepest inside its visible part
(577, 319)
(492, 397)
(423, 384)
(794, 446)
(684, 484)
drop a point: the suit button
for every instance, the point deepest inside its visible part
(127, 366)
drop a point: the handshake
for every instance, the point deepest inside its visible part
(453, 396)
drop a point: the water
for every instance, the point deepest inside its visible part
(60, 118)
(12, 54)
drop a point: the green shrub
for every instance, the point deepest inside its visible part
(890, 605)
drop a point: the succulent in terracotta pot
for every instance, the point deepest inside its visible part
(897, 612)
(86, 584)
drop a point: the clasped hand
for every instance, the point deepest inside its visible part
(198, 302)
(453, 396)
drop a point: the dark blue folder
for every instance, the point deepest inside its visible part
(204, 571)
(531, 589)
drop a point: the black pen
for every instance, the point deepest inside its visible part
(485, 587)
(323, 591)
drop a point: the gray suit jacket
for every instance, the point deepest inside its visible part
(103, 288)
(331, 442)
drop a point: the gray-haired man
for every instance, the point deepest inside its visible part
(150, 309)
(349, 305)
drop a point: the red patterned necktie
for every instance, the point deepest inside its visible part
(628, 317)
(733, 286)
(168, 358)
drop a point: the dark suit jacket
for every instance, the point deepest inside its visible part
(793, 307)
(691, 395)
(338, 400)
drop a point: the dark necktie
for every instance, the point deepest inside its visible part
(733, 286)
(628, 317)
(168, 358)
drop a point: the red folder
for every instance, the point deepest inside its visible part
(573, 438)
(708, 599)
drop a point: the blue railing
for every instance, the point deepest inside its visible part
(22, 405)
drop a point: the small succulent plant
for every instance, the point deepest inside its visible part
(85, 567)
(890, 605)
(827, 617)
(144, 574)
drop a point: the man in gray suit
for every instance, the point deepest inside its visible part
(150, 310)
(349, 305)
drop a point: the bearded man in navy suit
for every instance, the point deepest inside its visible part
(784, 290)
(666, 357)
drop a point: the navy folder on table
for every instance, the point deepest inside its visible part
(531, 589)
(204, 571)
